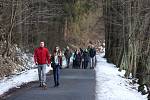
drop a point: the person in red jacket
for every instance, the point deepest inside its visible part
(42, 59)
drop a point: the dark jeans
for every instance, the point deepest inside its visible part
(68, 62)
(56, 73)
(74, 64)
(85, 64)
(77, 64)
(82, 64)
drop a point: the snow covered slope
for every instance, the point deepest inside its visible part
(110, 84)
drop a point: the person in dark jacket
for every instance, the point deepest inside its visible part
(81, 51)
(77, 59)
(85, 59)
(68, 55)
(74, 63)
(56, 65)
(92, 53)
(82, 60)
(41, 59)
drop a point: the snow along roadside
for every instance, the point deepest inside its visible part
(16, 81)
(111, 86)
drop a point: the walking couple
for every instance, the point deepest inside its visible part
(43, 59)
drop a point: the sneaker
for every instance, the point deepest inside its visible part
(45, 86)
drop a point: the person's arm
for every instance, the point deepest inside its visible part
(48, 57)
(94, 51)
(52, 61)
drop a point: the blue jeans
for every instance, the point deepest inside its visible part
(56, 73)
(92, 62)
(42, 73)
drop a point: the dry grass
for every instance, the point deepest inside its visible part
(9, 64)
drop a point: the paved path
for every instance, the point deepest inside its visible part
(75, 84)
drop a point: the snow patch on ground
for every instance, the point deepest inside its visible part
(16, 81)
(110, 84)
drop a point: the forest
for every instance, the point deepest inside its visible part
(123, 24)
(24, 23)
(127, 34)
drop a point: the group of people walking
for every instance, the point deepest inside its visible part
(81, 59)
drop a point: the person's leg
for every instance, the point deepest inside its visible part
(82, 64)
(86, 64)
(54, 74)
(73, 64)
(68, 63)
(95, 60)
(44, 74)
(92, 62)
(78, 64)
(89, 65)
(39, 74)
(57, 74)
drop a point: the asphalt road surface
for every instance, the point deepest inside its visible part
(75, 84)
